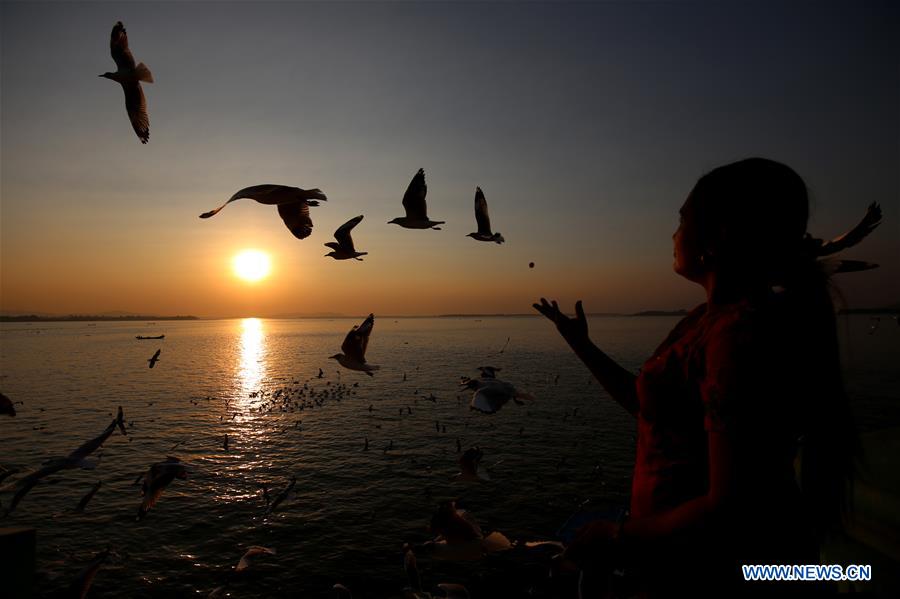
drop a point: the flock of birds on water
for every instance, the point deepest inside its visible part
(457, 534)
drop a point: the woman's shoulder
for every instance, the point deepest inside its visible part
(744, 324)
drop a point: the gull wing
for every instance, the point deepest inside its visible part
(296, 218)
(156, 480)
(357, 340)
(490, 398)
(26, 483)
(252, 552)
(481, 213)
(868, 224)
(343, 233)
(118, 47)
(136, 105)
(90, 494)
(414, 198)
(94, 444)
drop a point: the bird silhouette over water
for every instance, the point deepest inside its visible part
(343, 249)
(354, 348)
(155, 358)
(157, 479)
(483, 220)
(129, 76)
(293, 204)
(414, 204)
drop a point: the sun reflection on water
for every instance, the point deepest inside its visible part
(253, 355)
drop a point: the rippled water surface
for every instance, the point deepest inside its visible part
(351, 509)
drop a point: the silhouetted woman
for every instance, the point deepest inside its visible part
(745, 439)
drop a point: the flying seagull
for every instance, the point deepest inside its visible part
(491, 394)
(484, 221)
(76, 459)
(282, 496)
(293, 204)
(157, 479)
(343, 249)
(354, 348)
(129, 77)
(81, 585)
(155, 358)
(414, 204)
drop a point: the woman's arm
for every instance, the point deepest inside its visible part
(700, 510)
(597, 539)
(617, 381)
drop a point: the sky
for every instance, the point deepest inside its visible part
(586, 125)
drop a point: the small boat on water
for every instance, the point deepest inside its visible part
(157, 337)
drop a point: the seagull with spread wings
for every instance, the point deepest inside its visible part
(157, 479)
(484, 220)
(354, 348)
(154, 359)
(293, 204)
(129, 76)
(76, 459)
(414, 204)
(343, 249)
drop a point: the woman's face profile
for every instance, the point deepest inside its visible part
(687, 248)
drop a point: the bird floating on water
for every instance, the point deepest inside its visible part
(343, 249)
(354, 348)
(293, 204)
(483, 220)
(414, 204)
(129, 76)
(157, 479)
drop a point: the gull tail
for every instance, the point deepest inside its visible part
(143, 73)
(312, 194)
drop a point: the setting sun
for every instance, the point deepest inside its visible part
(251, 265)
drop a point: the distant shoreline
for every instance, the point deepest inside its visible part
(89, 318)
(890, 310)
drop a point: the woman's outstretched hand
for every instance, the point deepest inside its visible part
(574, 330)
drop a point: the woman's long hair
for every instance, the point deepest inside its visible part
(755, 213)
